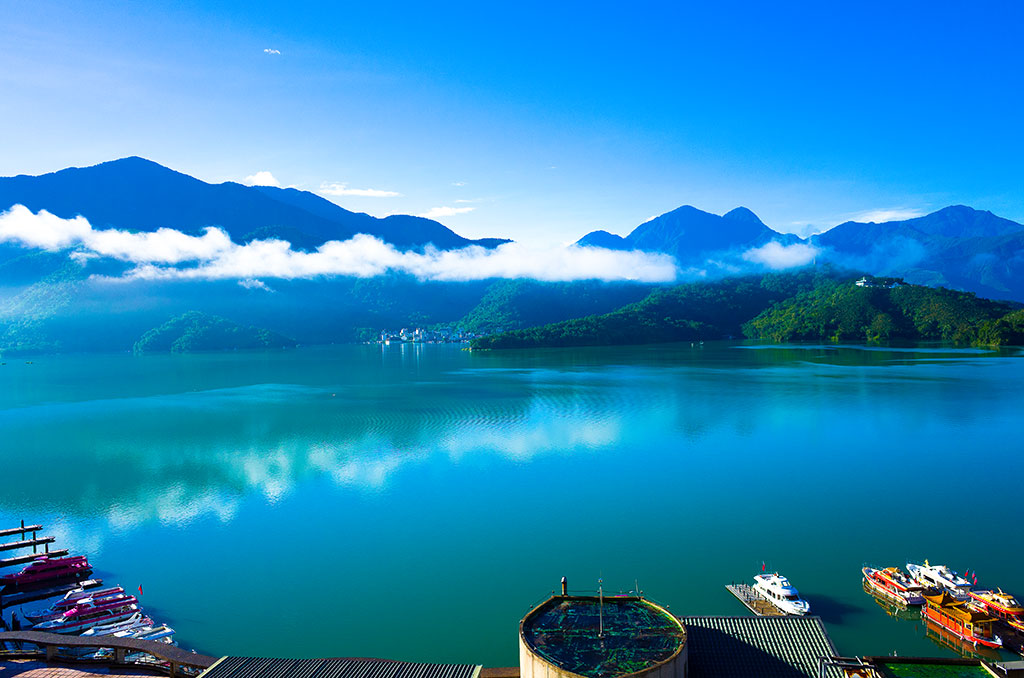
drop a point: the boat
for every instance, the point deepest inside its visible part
(80, 606)
(960, 619)
(78, 619)
(136, 621)
(162, 633)
(1002, 605)
(940, 577)
(890, 583)
(70, 600)
(898, 611)
(45, 569)
(946, 639)
(781, 593)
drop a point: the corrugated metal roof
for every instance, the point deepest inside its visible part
(263, 667)
(768, 647)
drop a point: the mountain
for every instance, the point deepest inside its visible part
(692, 235)
(138, 194)
(957, 246)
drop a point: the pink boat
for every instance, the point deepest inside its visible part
(83, 617)
(45, 569)
(86, 599)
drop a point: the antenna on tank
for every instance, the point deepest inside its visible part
(600, 608)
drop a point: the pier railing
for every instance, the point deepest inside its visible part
(161, 657)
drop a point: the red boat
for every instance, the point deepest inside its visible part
(80, 605)
(1000, 604)
(83, 617)
(960, 619)
(45, 569)
(893, 585)
(70, 599)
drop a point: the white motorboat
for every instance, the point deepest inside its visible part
(781, 593)
(136, 621)
(940, 577)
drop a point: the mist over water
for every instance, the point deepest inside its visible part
(412, 502)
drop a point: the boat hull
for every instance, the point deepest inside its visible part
(960, 632)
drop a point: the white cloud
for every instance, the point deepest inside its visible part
(777, 256)
(270, 50)
(167, 254)
(458, 183)
(343, 189)
(438, 212)
(892, 214)
(261, 178)
(253, 284)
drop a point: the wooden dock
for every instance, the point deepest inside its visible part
(23, 530)
(26, 543)
(21, 560)
(754, 602)
(21, 597)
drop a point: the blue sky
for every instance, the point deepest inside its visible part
(535, 122)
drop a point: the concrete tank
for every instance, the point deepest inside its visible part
(601, 637)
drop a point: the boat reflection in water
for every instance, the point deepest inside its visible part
(950, 641)
(891, 608)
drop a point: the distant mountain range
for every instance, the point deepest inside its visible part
(957, 247)
(138, 194)
(49, 302)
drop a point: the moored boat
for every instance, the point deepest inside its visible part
(940, 577)
(891, 584)
(960, 619)
(44, 569)
(1002, 605)
(781, 593)
(136, 621)
(78, 619)
(70, 600)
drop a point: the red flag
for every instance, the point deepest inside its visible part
(140, 589)
(762, 566)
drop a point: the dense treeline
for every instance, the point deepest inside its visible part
(690, 312)
(809, 305)
(195, 331)
(839, 311)
(515, 304)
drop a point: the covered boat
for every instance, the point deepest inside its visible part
(781, 593)
(86, 616)
(136, 621)
(960, 619)
(1001, 604)
(940, 577)
(70, 600)
(45, 569)
(893, 585)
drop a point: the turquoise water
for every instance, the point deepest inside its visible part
(414, 502)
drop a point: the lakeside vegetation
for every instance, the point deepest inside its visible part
(819, 305)
(194, 331)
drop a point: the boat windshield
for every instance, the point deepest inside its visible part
(793, 597)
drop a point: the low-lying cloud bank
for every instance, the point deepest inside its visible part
(168, 254)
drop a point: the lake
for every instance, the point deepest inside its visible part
(413, 502)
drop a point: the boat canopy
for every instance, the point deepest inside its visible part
(956, 609)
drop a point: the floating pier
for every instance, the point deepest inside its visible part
(21, 597)
(23, 530)
(756, 603)
(21, 560)
(25, 543)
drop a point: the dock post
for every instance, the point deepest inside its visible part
(51, 652)
(119, 655)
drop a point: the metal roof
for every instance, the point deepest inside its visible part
(768, 647)
(263, 667)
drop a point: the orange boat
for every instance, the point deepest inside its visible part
(1002, 605)
(960, 619)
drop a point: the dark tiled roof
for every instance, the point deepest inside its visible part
(260, 667)
(768, 647)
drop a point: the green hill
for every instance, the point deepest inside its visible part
(817, 305)
(695, 311)
(193, 331)
(839, 311)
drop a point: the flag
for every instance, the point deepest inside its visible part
(762, 566)
(140, 589)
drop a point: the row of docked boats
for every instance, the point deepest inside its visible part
(948, 600)
(83, 611)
